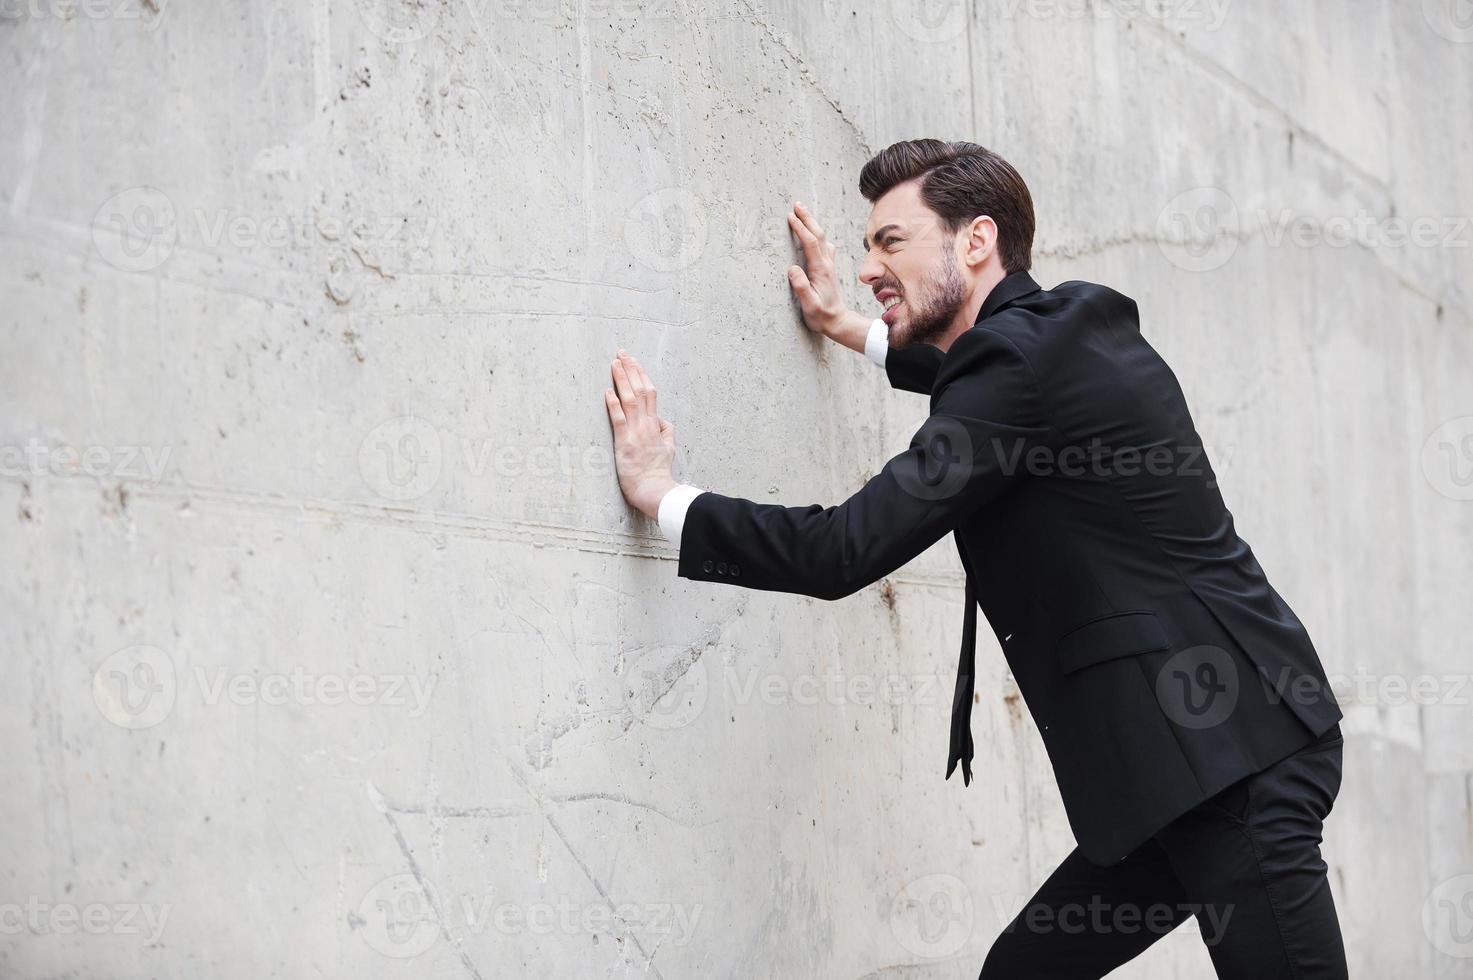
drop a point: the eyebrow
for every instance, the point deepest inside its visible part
(880, 233)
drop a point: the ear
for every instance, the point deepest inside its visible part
(980, 243)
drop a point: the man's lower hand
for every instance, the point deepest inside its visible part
(644, 443)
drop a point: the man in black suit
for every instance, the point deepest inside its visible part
(1186, 715)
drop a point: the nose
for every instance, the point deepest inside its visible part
(870, 270)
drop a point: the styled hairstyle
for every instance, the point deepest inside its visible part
(960, 181)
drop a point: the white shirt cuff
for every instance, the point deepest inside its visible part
(877, 342)
(673, 507)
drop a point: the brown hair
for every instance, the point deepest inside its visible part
(960, 181)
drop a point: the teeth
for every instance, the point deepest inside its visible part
(892, 302)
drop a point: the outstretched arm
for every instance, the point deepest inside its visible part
(986, 418)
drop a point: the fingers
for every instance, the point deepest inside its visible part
(815, 241)
(624, 386)
(812, 224)
(829, 247)
(799, 283)
(813, 246)
(616, 411)
(635, 391)
(642, 384)
(800, 227)
(809, 221)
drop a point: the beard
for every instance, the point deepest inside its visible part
(939, 298)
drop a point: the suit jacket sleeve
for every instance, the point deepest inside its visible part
(986, 416)
(913, 368)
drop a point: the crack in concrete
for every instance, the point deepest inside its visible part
(521, 810)
(381, 805)
(784, 41)
(1231, 80)
(587, 871)
(676, 670)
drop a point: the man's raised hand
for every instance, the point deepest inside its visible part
(817, 288)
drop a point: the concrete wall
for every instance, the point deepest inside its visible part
(330, 646)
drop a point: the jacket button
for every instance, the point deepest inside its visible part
(705, 566)
(735, 571)
(721, 569)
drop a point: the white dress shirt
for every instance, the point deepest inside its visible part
(677, 499)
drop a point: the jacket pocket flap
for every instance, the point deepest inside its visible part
(1116, 635)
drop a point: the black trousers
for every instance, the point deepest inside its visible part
(1245, 863)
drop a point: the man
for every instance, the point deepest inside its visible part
(1185, 713)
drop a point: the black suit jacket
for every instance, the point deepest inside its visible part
(1157, 661)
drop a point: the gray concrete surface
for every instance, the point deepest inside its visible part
(331, 647)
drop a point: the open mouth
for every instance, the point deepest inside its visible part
(892, 303)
